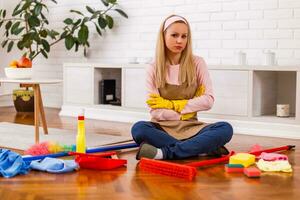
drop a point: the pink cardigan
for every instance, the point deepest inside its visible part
(201, 103)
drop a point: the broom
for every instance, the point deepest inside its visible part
(188, 171)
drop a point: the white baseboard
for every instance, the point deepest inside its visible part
(111, 113)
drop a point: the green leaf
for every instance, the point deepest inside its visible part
(14, 27)
(110, 21)
(112, 1)
(105, 2)
(69, 42)
(27, 43)
(85, 19)
(19, 30)
(10, 46)
(20, 44)
(36, 38)
(93, 16)
(4, 14)
(76, 11)
(38, 9)
(52, 33)
(68, 21)
(16, 11)
(54, 1)
(44, 53)
(26, 5)
(8, 25)
(31, 54)
(1, 22)
(102, 22)
(33, 21)
(98, 30)
(76, 46)
(4, 43)
(44, 18)
(77, 22)
(83, 34)
(91, 10)
(121, 12)
(46, 45)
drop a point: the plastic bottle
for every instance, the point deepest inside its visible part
(80, 138)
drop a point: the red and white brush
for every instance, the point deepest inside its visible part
(188, 171)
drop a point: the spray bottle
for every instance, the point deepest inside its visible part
(80, 139)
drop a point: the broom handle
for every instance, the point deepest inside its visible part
(287, 147)
(92, 150)
(226, 158)
(211, 161)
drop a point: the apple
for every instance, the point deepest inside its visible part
(24, 62)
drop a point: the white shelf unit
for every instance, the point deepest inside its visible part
(271, 88)
(246, 96)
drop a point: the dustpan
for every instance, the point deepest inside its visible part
(102, 161)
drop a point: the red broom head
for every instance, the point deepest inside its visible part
(167, 168)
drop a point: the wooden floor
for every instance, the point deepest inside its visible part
(130, 183)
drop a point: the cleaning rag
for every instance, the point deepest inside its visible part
(274, 166)
(272, 156)
(54, 165)
(11, 164)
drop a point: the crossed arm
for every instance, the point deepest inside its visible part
(163, 109)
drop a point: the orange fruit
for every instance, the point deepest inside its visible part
(13, 64)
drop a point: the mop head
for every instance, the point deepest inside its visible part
(168, 168)
(48, 148)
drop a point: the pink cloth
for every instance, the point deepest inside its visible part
(201, 103)
(272, 156)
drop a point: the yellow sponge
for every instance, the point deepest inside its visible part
(244, 159)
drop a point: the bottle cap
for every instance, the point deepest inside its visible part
(80, 117)
(81, 114)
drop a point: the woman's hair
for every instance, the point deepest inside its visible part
(187, 68)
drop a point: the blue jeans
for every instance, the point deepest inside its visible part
(208, 139)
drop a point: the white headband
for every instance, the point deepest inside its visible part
(173, 19)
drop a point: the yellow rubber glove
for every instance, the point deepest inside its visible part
(156, 101)
(200, 91)
(179, 104)
(188, 116)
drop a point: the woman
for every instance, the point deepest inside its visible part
(178, 85)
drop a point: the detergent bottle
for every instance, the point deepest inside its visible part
(80, 138)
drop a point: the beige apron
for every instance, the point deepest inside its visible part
(180, 129)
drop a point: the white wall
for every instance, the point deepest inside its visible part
(220, 28)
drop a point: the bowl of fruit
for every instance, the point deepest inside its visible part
(19, 69)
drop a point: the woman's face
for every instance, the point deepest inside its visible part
(176, 37)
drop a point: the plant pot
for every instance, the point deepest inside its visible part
(23, 100)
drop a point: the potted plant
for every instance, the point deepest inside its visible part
(28, 28)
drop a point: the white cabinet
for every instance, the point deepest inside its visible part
(230, 91)
(134, 88)
(245, 96)
(78, 85)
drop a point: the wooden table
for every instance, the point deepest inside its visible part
(38, 102)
